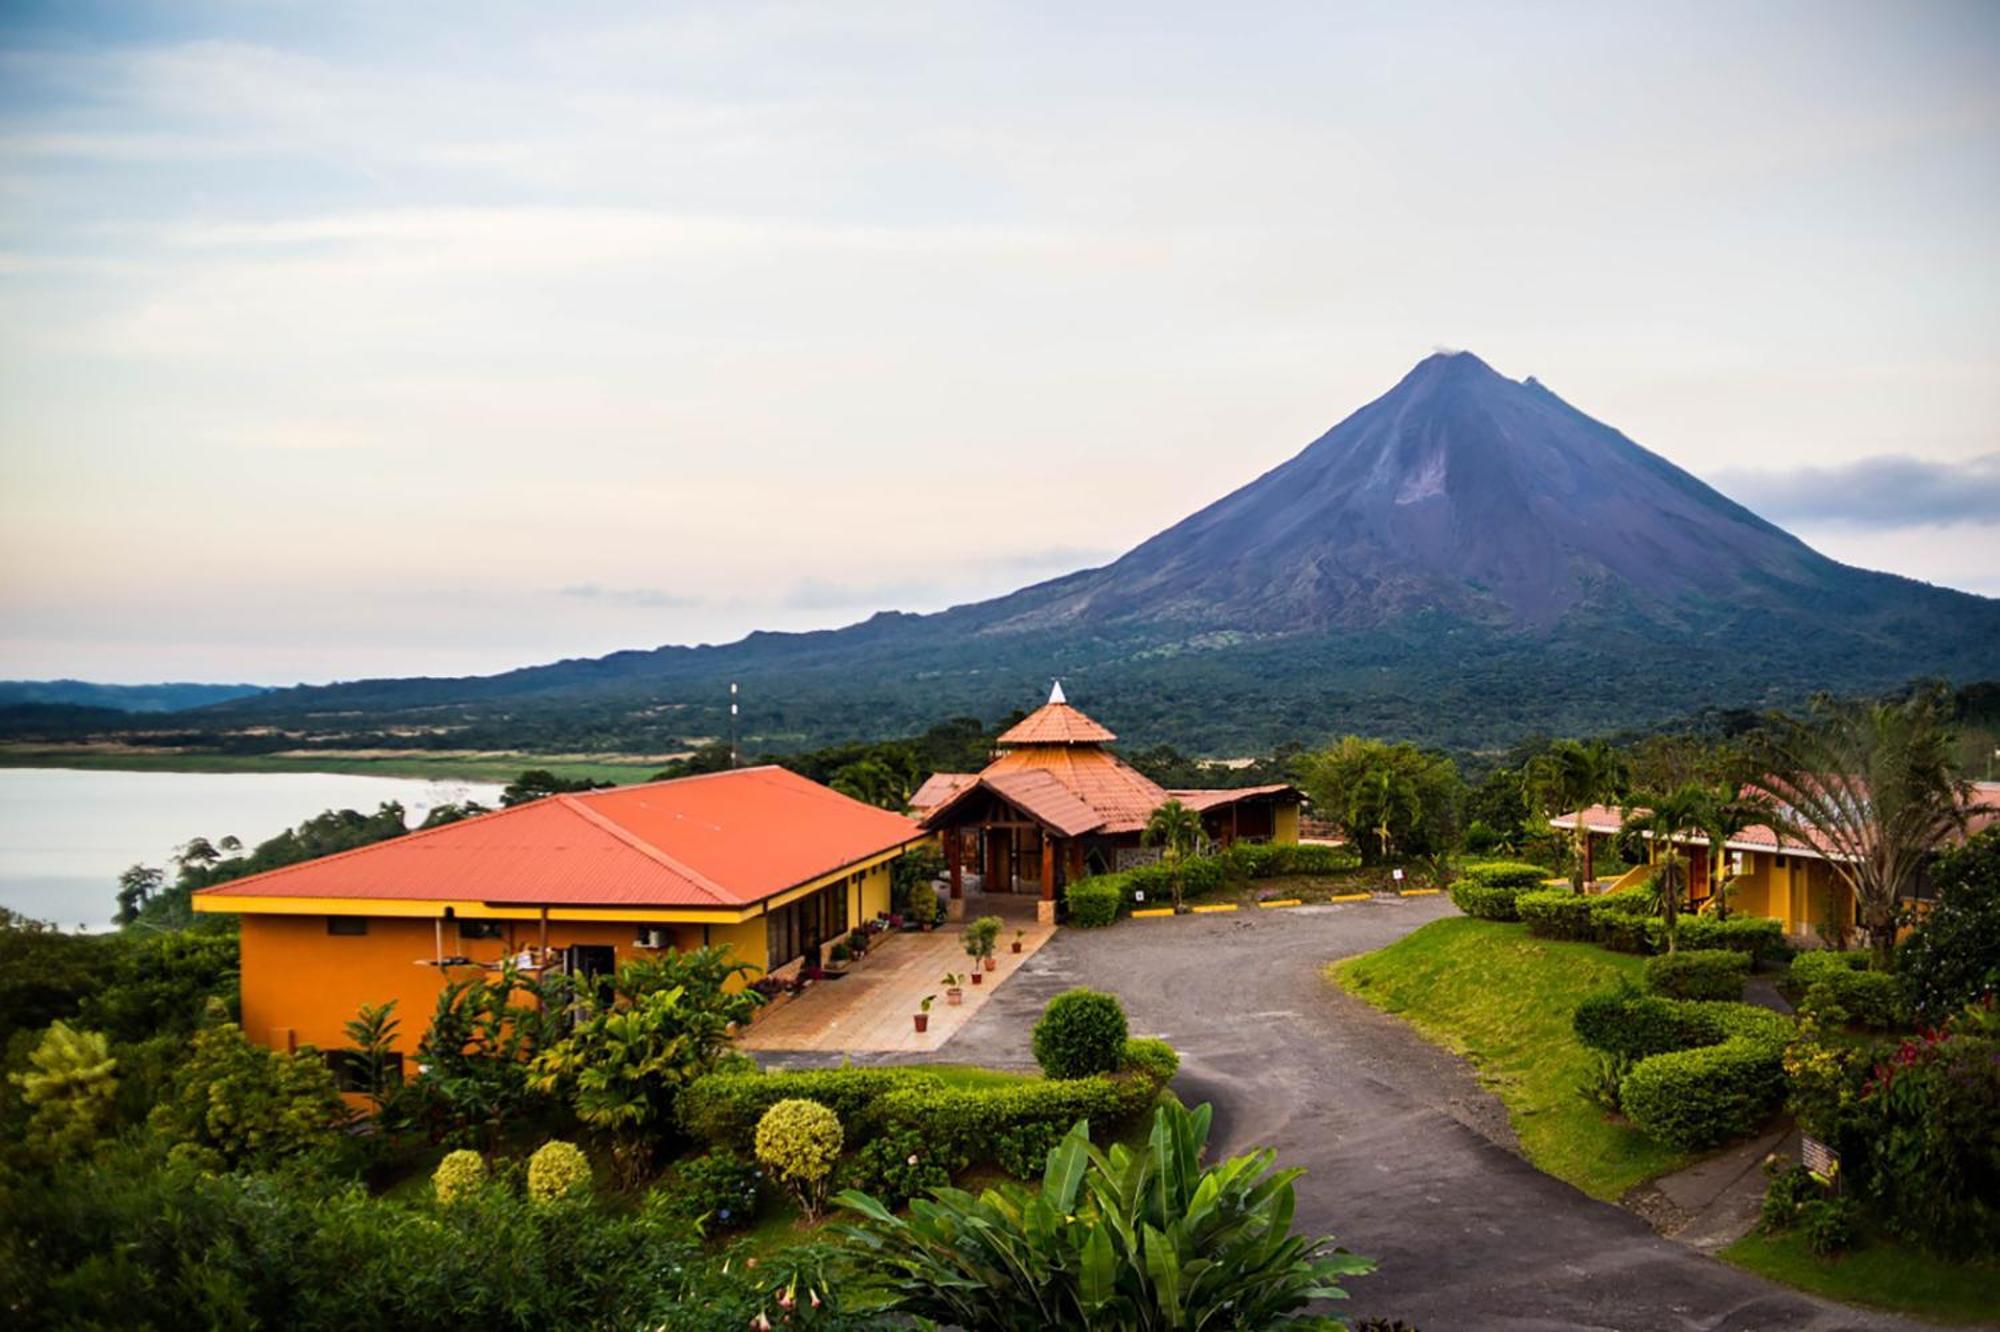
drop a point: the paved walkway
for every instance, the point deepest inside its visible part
(1408, 1158)
(869, 1009)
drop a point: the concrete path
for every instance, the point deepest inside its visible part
(869, 1009)
(1409, 1160)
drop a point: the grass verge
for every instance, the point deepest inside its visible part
(1490, 991)
(1880, 1274)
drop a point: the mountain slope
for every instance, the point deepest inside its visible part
(123, 698)
(1461, 560)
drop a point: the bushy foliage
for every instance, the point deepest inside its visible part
(799, 1142)
(1387, 799)
(1808, 969)
(1557, 913)
(1093, 902)
(120, 1245)
(234, 1103)
(1115, 1241)
(1485, 901)
(723, 1109)
(1081, 1032)
(1758, 936)
(1153, 1058)
(478, 1050)
(1700, 973)
(558, 1170)
(1705, 1096)
(901, 1164)
(1508, 874)
(459, 1177)
(161, 984)
(1636, 1026)
(70, 1087)
(1953, 956)
(1621, 921)
(1871, 999)
(713, 1192)
(1930, 1118)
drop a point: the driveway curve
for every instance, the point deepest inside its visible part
(1408, 1159)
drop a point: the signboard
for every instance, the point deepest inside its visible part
(1397, 874)
(1821, 1161)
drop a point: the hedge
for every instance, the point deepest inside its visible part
(1092, 902)
(1699, 973)
(1485, 901)
(1199, 877)
(1557, 913)
(1701, 1072)
(722, 1109)
(1759, 936)
(1153, 1058)
(1808, 969)
(1622, 921)
(1706, 1096)
(1859, 998)
(1508, 874)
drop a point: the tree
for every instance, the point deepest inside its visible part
(236, 1104)
(1953, 957)
(373, 1032)
(1176, 830)
(71, 1089)
(1872, 786)
(1573, 775)
(137, 887)
(1388, 800)
(1118, 1241)
(536, 783)
(877, 782)
(1665, 818)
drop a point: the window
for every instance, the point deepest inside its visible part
(813, 920)
(347, 924)
(480, 929)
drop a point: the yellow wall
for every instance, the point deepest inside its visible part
(1286, 829)
(1800, 892)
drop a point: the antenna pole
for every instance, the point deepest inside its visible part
(733, 758)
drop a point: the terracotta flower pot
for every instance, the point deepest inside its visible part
(977, 978)
(954, 996)
(923, 1021)
(991, 963)
(1017, 945)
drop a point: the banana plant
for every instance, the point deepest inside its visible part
(1145, 1241)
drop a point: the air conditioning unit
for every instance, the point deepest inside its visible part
(655, 936)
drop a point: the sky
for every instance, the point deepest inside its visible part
(374, 338)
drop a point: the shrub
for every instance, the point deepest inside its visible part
(1701, 973)
(556, 1171)
(1081, 1032)
(1485, 901)
(234, 1103)
(1153, 1058)
(712, 1192)
(1702, 1097)
(459, 1176)
(1953, 956)
(1635, 1026)
(1828, 1225)
(1930, 1121)
(1808, 969)
(1758, 936)
(965, 1125)
(799, 1141)
(1093, 902)
(1859, 998)
(1790, 1189)
(72, 1086)
(899, 1166)
(1515, 874)
(1556, 914)
(723, 1109)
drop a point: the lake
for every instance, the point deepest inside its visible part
(66, 834)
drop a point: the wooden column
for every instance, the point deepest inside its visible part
(1048, 868)
(954, 856)
(1589, 858)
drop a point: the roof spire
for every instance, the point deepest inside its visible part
(1056, 693)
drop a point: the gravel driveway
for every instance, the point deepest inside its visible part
(1408, 1160)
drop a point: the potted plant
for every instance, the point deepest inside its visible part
(837, 959)
(954, 993)
(922, 1017)
(981, 937)
(1018, 936)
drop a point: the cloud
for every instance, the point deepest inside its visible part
(628, 596)
(823, 594)
(1880, 492)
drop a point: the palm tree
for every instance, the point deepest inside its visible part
(1683, 812)
(1383, 801)
(1728, 815)
(1572, 775)
(1871, 787)
(1176, 830)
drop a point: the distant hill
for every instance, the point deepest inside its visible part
(121, 698)
(1462, 561)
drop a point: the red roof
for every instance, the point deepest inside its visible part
(938, 788)
(723, 840)
(1055, 723)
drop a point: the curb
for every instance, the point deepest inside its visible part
(1221, 906)
(1282, 902)
(1352, 897)
(1151, 913)
(1427, 892)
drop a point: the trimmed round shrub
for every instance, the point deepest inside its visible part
(1703, 1097)
(1082, 1032)
(1509, 874)
(556, 1171)
(459, 1176)
(1556, 914)
(1808, 969)
(799, 1141)
(1153, 1058)
(1485, 901)
(1700, 973)
(1093, 902)
(1858, 998)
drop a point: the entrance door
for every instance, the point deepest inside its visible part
(591, 959)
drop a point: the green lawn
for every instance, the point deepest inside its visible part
(1881, 1274)
(483, 768)
(1490, 991)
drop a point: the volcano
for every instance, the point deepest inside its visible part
(1463, 560)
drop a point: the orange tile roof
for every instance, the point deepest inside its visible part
(1123, 797)
(1216, 797)
(938, 788)
(1044, 796)
(1055, 723)
(723, 840)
